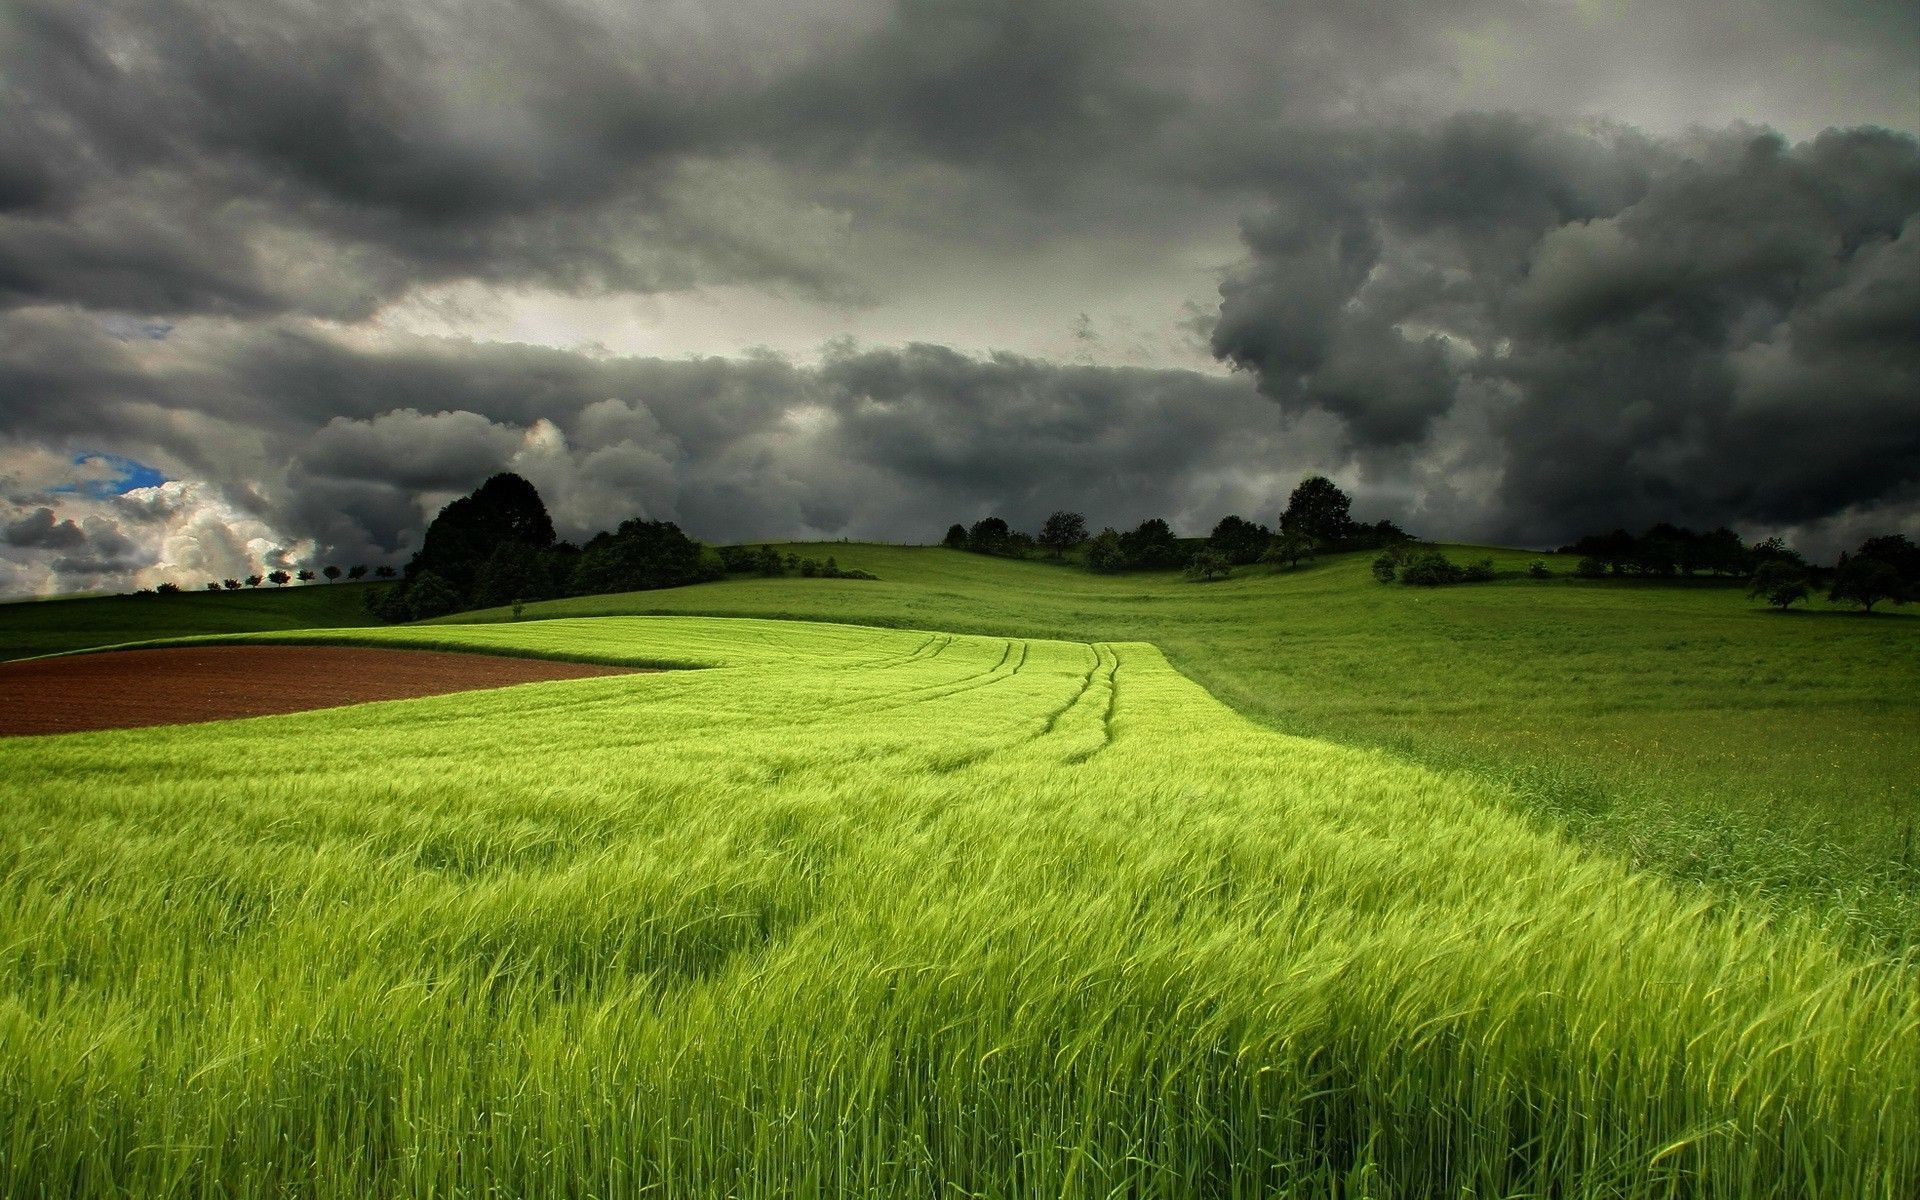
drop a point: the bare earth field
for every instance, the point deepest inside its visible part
(127, 689)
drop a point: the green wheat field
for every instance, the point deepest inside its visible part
(990, 879)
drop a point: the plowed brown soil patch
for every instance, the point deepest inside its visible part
(125, 689)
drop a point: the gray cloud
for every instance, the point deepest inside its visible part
(1711, 330)
(1494, 275)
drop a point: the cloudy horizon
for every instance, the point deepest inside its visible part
(278, 279)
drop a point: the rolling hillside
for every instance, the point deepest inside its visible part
(1675, 726)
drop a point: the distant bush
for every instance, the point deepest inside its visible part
(1590, 568)
(1104, 553)
(167, 589)
(1385, 567)
(1477, 572)
(1537, 569)
(1430, 568)
(956, 538)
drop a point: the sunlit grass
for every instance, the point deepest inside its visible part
(1674, 726)
(885, 913)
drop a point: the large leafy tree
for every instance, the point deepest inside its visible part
(1150, 546)
(1239, 540)
(1866, 581)
(1318, 509)
(506, 508)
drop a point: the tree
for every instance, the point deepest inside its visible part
(357, 571)
(989, 535)
(332, 573)
(167, 589)
(1207, 565)
(1866, 582)
(279, 578)
(638, 556)
(232, 585)
(1319, 510)
(1722, 552)
(1239, 540)
(383, 572)
(1897, 552)
(389, 604)
(514, 571)
(256, 580)
(956, 538)
(1062, 532)
(1104, 553)
(1290, 547)
(213, 585)
(1780, 581)
(1384, 568)
(1150, 546)
(1775, 550)
(506, 508)
(305, 575)
(430, 596)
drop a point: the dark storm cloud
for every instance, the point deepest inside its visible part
(1492, 313)
(884, 443)
(1717, 329)
(41, 530)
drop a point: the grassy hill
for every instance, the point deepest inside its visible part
(869, 912)
(29, 628)
(1676, 726)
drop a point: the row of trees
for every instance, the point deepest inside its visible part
(1883, 570)
(280, 578)
(1317, 518)
(1664, 550)
(496, 546)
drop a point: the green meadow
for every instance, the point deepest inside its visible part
(57, 626)
(992, 878)
(1677, 727)
(872, 912)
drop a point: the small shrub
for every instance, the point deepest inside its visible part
(1430, 568)
(1590, 568)
(1385, 567)
(1478, 572)
(1537, 569)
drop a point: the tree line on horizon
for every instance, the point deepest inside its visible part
(496, 547)
(1317, 519)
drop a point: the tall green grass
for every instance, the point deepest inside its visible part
(882, 912)
(1674, 726)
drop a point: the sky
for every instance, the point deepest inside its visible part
(280, 278)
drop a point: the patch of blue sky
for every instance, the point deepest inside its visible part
(100, 475)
